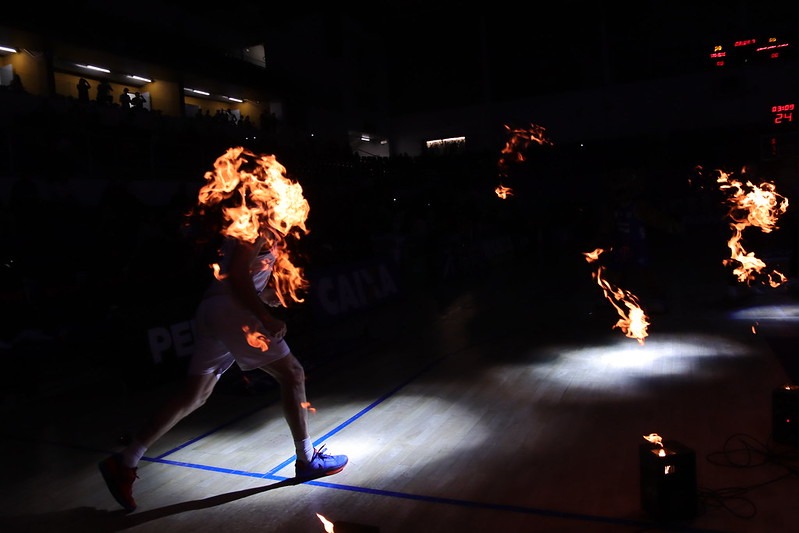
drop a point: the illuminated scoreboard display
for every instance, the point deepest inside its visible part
(755, 51)
(783, 138)
(782, 114)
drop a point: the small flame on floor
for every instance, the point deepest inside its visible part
(327, 523)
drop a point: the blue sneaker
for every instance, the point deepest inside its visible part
(321, 465)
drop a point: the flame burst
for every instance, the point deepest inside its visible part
(633, 321)
(503, 192)
(654, 438)
(751, 206)
(259, 201)
(513, 151)
(520, 139)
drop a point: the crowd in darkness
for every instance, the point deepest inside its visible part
(71, 263)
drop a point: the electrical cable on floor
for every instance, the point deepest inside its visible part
(741, 450)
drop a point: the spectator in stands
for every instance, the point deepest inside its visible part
(138, 101)
(104, 93)
(83, 90)
(124, 98)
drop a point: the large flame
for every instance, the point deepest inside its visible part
(751, 205)
(633, 321)
(260, 201)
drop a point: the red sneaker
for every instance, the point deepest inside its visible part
(119, 480)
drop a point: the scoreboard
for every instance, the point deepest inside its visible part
(746, 51)
(782, 114)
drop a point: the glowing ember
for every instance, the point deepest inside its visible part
(633, 321)
(259, 201)
(503, 192)
(327, 523)
(756, 206)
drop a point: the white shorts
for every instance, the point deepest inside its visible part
(221, 339)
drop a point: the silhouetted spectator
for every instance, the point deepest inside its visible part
(104, 93)
(138, 101)
(124, 98)
(83, 90)
(16, 84)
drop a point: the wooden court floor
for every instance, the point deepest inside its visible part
(511, 407)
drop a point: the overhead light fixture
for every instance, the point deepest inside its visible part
(98, 69)
(7, 49)
(197, 91)
(239, 100)
(139, 78)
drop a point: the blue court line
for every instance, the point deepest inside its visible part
(452, 501)
(402, 495)
(271, 475)
(290, 460)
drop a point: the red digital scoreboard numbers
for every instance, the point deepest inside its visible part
(782, 114)
(743, 51)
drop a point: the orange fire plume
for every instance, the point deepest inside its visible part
(513, 151)
(519, 140)
(260, 201)
(751, 206)
(503, 192)
(633, 321)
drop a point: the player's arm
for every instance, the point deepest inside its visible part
(241, 284)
